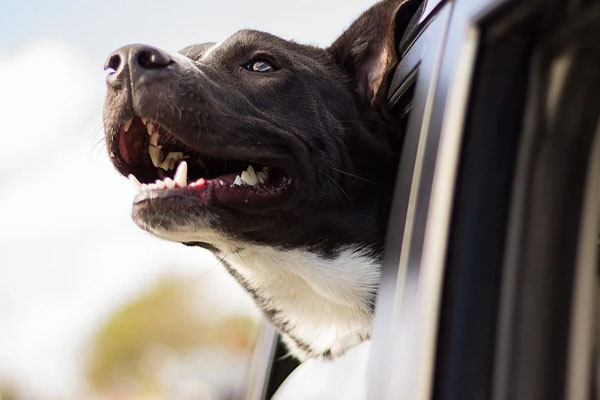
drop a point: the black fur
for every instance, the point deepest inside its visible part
(320, 117)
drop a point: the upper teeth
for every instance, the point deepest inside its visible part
(156, 154)
(154, 139)
(171, 160)
(136, 184)
(252, 178)
(152, 129)
(248, 177)
(127, 125)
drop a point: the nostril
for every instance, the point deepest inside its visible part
(113, 63)
(135, 65)
(152, 59)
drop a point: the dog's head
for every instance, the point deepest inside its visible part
(258, 139)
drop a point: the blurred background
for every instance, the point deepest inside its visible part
(90, 306)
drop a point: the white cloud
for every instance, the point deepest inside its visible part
(45, 90)
(70, 253)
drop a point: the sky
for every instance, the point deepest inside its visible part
(69, 252)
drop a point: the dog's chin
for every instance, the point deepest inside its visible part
(192, 215)
(203, 233)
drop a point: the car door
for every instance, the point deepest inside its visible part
(490, 281)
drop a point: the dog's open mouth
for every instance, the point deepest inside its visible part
(161, 166)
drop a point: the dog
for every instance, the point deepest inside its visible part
(278, 157)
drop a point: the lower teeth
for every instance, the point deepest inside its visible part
(246, 178)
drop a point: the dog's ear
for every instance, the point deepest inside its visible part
(367, 50)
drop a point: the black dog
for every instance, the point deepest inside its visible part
(276, 156)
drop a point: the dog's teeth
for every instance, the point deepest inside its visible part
(171, 160)
(238, 180)
(221, 182)
(151, 129)
(266, 172)
(181, 174)
(251, 172)
(156, 154)
(136, 184)
(262, 177)
(154, 139)
(175, 155)
(170, 183)
(249, 177)
(245, 177)
(160, 184)
(144, 121)
(165, 165)
(144, 187)
(127, 125)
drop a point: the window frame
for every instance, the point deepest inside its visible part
(406, 358)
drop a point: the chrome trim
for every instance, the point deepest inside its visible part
(262, 363)
(579, 358)
(440, 210)
(391, 364)
(429, 8)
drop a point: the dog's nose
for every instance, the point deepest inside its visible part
(143, 62)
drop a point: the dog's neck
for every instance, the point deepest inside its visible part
(322, 305)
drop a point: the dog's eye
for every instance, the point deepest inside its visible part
(260, 66)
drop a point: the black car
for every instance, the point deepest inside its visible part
(490, 283)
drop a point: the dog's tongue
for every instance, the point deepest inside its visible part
(244, 196)
(225, 191)
(134, 148)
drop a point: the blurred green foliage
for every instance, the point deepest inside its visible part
(167, 316)
(7, 392)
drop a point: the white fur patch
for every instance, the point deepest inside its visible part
(325, 303)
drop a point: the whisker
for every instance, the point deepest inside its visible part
(219, 261)
(338, 186)
(100, 141)
(354, 176)
(99, 145)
